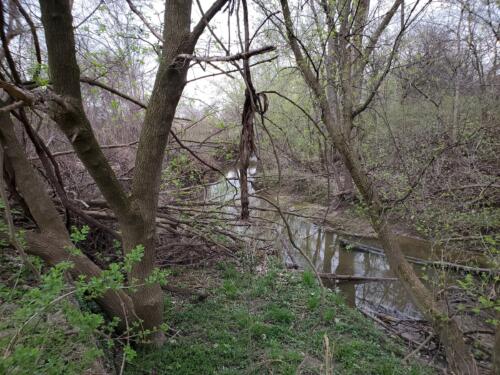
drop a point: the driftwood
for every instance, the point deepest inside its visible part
(358, 279)
(440, 264)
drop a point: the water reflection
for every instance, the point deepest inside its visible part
(330, 255)
(327, 252)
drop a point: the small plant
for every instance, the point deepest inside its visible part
(308, 278)
(180, 172)
(49, 328)
(314, 301)
(279, 314)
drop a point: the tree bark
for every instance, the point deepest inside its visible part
(496, 351)
(167, 91)
(247, 141)
(247, 148)
(453, 125)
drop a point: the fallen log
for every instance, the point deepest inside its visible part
(355, 278)
(442, 264)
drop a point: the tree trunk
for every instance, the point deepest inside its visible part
(135, 214)
(453, 127)
(247, 139)
(333, 95)
(458, 355)
(496, 348)
(247, 148)
(52, 241)
(346, 185)
(167, 91)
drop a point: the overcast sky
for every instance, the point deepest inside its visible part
(210, 89)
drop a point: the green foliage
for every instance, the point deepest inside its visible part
(226, 152)
(134, 256)
(40, 73)
(308, 278)
(130, 354)
(79, 234)
(230, 288)
(276, 313)
(314, 300)
(46, 332)
(49, 328)
(479, 288)
(180, 172)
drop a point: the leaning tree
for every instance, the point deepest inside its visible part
(340, 65)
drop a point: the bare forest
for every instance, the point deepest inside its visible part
(250, 187)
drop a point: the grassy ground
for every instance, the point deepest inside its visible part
(270, 323)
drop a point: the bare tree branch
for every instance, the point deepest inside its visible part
(205, 19)
(238, 56)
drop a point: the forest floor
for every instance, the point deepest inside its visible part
(255, 317)
(268, 322)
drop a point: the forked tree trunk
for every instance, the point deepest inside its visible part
(65, 74)
(135, 214)
(52, 241)
(458, 355)
(169, 84)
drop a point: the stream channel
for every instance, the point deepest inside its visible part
(329, 251)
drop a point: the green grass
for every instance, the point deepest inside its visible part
(267, 324)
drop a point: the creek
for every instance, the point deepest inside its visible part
(330, 252)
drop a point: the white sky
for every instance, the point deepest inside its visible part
(210, 90)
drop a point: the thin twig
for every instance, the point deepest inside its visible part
(419, 347)
(144, 20)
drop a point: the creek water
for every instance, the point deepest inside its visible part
(328, 250)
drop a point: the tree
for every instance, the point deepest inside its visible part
(135, 213)
(348, 93)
